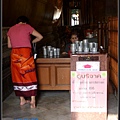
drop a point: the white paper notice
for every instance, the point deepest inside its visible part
(89, 92)
(87, 66)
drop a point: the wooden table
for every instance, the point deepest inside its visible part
(53, 73)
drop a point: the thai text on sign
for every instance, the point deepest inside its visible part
(89, 91)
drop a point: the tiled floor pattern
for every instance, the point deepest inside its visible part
(51, 105)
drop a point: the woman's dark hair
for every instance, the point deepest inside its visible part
(73, 33)
(23, 19)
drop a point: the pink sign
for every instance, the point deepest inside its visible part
(89, 91)
(84, 66)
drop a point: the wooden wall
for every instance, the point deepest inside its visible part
(108, 38)
(7, 86)
(113, 50)
(40, 12)
(92, 11)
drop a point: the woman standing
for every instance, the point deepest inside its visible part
(22, 62)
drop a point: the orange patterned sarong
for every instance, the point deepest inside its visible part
(23, 72)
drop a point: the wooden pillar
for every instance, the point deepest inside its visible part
(99, 35)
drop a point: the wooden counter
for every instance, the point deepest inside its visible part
(53, 73)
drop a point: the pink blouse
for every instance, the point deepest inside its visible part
(20, 35)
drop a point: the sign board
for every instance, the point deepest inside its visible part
(89, 91)
(89, 66)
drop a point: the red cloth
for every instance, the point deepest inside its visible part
(23, 72)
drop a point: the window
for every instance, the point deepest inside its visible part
(75, 17)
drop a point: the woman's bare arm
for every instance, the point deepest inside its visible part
(37, 35)
(9, 43)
